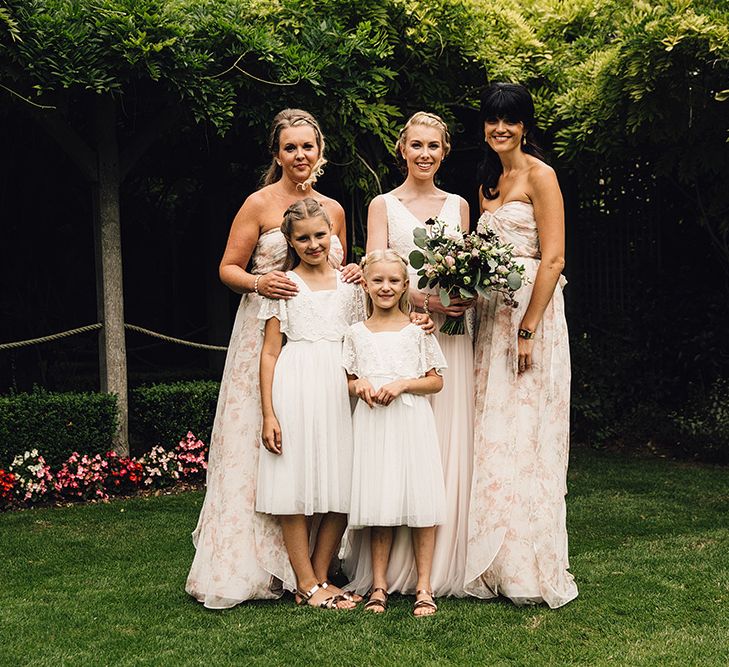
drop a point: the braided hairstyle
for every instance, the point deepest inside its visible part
(300, 210)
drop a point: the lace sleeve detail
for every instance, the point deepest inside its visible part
(431, 356)
(356, 311)
(273, 308)
(349, 354)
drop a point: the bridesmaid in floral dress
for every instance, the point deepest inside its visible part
(240, 553)
(517, 544)
(423, 144)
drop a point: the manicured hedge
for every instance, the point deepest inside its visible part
(164, 413)
(57, 423)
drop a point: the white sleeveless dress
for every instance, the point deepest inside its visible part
(453, 411)
(517, 534)
(313, 473)
(239, 553)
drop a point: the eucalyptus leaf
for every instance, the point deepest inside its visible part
(514, 280)
(466, 294)
(420, 233)
(422, 283)
(416, 259)
(421, 243)
(445, 298)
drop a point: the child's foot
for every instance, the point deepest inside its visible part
(424, 603)
(377, 604)
(318, 596)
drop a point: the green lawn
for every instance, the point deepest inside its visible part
(103, 585)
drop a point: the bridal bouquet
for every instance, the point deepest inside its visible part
(463, 265)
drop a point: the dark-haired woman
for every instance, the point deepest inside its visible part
(517, 543)
(240, 554)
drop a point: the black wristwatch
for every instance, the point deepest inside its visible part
(525, 333)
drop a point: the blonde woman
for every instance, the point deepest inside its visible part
(240, 554)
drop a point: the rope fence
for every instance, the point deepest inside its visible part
(99, 325)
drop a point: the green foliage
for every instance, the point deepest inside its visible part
(56, 424)
(642, 82)
(703, 425)
(162, 414)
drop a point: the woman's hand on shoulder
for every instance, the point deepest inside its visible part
(277, 285)
(424, 321)
(352, 273)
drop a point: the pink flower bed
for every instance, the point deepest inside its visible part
(29, 479)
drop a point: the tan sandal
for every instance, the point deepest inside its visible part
(430, 604)
(347, 595)
(328, 603)
(374, 603)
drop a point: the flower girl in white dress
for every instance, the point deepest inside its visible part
(397, 477)
(307, 426)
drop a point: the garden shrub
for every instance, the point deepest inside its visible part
(702, 427)
(56, 424)
(162, 414)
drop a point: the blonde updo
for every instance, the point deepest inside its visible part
(386, 255)
(300, 210)
(429, 120)
(281, 121)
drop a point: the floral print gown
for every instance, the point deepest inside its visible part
(517, 538)
(240, 554)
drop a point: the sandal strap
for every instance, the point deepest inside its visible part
(331, 602)
(307, 594)
(379, 589)
(376, 603)
(425, 603)
(419, 604)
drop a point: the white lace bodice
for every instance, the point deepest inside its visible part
(316, 315)
(408, 353)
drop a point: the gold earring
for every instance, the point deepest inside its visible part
(278, 162)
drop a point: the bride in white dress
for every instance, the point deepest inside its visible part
(423, 144)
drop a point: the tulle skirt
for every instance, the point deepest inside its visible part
(313, 472)
(397, 475)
